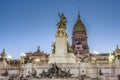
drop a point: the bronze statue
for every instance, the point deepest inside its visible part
(62, 22)
(62, 18)
(55, 72)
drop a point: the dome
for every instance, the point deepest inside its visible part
(79, 26)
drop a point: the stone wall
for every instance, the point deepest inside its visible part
(56, 79)
(75, 69)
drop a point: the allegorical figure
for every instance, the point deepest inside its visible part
(62, 22)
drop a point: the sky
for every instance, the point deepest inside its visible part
(27, 24)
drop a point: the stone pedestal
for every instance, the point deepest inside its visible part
(65, 58)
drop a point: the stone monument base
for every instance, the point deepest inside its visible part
(63, 58)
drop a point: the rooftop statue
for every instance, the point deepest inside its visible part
(62, 22)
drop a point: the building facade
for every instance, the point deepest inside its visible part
(37, 57)
(79, 39)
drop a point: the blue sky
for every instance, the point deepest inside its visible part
(27, 24)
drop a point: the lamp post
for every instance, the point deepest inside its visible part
(21, 61)
(9, 57)
(22, 56)
(95, 55)
(95, 61)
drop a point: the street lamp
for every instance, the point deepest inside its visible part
(95, 56)
(21, 61)
(9, 57)
(22, 56)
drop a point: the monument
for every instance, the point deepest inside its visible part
(61, 52)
